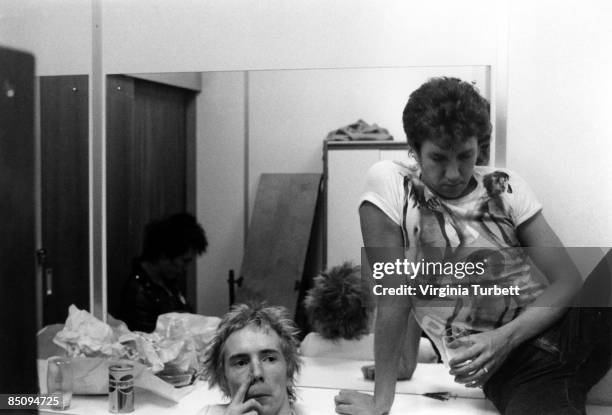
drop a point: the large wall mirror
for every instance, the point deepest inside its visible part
(211, 137)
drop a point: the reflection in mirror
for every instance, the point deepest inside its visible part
(64, 204)
(150, 125)
(237, 125)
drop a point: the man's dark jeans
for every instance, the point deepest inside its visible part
(553, 373)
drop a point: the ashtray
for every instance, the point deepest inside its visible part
(177, 379)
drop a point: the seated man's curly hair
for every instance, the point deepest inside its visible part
(446, 110)
(339, 305)
(172, 236)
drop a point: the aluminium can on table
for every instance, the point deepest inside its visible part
(121, 388)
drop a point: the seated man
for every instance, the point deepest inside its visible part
(253, 360)
(341, 308)
(152, 289)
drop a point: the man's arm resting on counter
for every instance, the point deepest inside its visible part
(395, 326)
(393, 312)
(410, 350)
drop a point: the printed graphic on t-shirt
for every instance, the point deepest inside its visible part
(479, 227)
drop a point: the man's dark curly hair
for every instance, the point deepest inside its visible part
(447, 110)
(339, 305)
(173, 236)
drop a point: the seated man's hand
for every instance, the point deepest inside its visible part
(238, 407)
(355, 403)
(403, 373)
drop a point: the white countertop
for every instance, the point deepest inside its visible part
(319, 382)
(346, 374)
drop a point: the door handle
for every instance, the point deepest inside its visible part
(41, 256)
(49, 281)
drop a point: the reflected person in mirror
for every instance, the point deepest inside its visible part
(253, 359)
(341, 310)
(170, 245)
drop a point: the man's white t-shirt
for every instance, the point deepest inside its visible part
(479, 227)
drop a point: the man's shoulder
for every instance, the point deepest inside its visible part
(395, 166)
(390, 171)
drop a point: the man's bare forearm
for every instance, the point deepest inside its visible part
(390, 333)
(410, 351)
(542, 313)
(547, 253)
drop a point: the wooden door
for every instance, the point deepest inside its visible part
(149, 131)
(17, 227)
(64, 196)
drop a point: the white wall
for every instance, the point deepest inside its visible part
(195, 35)
(291, 111)
(57, 32)
(559, 103)
(220, 185)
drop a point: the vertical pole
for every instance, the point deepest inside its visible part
(97, 170)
